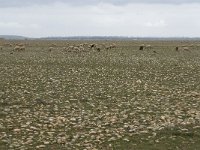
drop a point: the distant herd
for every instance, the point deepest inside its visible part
(85, 47)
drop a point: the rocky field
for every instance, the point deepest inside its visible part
(108, 96)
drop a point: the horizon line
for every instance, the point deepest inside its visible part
(97, 36)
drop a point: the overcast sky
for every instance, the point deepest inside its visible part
(154, 18)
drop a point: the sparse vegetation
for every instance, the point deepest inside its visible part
(112, 98)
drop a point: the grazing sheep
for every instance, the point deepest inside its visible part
(85, 44)
(8, 45)
(186, 48)
(191, 45)
(81, 48)
(20, 44)
(81, 45)
(98, 49)
(50, 49)
(70, 48)
(76, 49)
(184, 45)
(22, 48)
(17, 48)
(148, 46)
(113, 45)
(110, 47)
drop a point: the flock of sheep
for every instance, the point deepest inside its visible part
(16, 47)
(177, 48)
(19, 47)
(85, 47)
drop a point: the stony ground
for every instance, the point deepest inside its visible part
(121, 98)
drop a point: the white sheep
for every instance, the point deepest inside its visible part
(70, 48)
(20, 44)
(186, 48)
(17, 48)
(113, 45)
(50, 49)
(85, 44)
(82, 48)
(148, 46)
(22, 48)
(76, 49)
(81, 45)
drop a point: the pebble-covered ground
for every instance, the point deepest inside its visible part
(122, 98)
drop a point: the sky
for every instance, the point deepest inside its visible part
(134, 18)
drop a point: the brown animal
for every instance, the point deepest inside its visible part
(142, 47)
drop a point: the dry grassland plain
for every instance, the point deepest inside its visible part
(100, 95)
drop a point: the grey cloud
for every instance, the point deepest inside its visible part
(22, 3)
